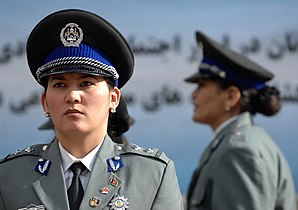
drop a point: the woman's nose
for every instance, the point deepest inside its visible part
(193, 95)
(73, 96)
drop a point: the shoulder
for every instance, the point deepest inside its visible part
(239, 141)
(249, 145)
(243, 130)
(152, 153)
(34, 150)
(247, 136)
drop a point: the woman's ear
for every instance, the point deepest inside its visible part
(115, 98)
(233, 96)
(44, 103)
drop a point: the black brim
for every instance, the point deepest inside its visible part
(196, 77)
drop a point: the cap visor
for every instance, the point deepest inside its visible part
(75, 70)
(195, 77)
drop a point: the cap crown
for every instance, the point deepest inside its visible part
(97, 32)
(220, 61)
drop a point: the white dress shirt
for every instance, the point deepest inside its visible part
(68, 160)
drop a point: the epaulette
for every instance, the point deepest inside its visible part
(34, 150)
(148, 152)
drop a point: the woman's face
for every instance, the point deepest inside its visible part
(209, 103)
(79, 102)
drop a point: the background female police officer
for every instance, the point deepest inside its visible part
(82, 61)
(242, 168)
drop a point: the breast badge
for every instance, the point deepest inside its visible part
(33, 207)
(94, 201)
(119, 203)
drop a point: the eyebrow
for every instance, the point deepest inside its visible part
(83, 76)
(56, 78)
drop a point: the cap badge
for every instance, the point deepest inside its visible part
(119, 203)
(71, 35)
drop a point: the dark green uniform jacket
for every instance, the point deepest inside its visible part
(242, 169)
(143, 179)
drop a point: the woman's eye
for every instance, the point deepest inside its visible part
(86, 84)
(59, 84)
(201, 84)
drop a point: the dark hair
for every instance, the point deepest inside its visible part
(110, 82)
(119, 122)
(266, 101)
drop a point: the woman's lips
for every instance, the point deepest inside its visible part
(73, 112)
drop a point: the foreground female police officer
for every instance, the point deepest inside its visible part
(242, 168)
(82, 60)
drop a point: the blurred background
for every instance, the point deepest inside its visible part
(161, 34)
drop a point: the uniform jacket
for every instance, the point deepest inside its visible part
(242, 169)
(145, 179)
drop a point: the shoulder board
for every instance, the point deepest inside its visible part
(148, 152)
(34, 150)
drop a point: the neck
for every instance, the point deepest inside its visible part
(79, 145)
(224, 118)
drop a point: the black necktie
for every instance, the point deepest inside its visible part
(75, 191)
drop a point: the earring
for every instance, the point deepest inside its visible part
(47, 115)
(113, 110)
(228, 108)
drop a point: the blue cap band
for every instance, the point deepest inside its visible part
(231, 75)
(83, 50)
(81, 59)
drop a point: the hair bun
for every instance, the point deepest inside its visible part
(269, 101)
